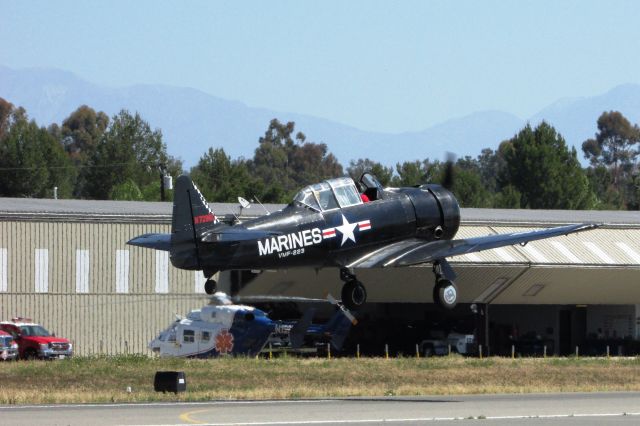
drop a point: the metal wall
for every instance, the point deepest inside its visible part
(79, 278)
(81, 281)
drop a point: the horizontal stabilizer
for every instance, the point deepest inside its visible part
(154, 241)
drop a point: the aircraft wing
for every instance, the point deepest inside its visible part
(154, 241)
(414, 251)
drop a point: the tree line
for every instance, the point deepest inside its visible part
(93, 156)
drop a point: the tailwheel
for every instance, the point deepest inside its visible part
(354, 295)
(210, 286)
(445, 294)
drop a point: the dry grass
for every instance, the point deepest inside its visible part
(105, 379)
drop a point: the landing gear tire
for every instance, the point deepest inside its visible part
(354, 295)
(210, 286)
(445, 294)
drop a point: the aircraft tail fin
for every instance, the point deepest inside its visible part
(191, 218)
(190, 207)
(338, 328)
(299, 330)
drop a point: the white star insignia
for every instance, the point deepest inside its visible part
(346, 229)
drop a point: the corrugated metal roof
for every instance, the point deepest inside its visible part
(28, 208)
(527, 216)
(601, 246)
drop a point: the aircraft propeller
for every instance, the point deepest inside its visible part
(449, 175)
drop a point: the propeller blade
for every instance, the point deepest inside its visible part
(449, 177)
(344, 310)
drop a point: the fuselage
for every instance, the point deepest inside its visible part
(304, 237)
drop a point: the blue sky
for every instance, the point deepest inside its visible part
(382, 66)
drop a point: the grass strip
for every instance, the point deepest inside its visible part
(106, 379)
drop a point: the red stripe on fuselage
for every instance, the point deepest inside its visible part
(364, 225)
(205, 218)
(328, 233)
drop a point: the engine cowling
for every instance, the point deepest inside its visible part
(437, 211)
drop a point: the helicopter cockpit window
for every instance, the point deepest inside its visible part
(169, 335)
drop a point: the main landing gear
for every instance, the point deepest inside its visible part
(445, 292)
(354, 295)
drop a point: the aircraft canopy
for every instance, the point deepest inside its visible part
(330, 194)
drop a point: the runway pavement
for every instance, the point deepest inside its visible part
(615, 408)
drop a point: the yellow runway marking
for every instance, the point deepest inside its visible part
(186, 417)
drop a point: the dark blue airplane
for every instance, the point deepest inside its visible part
(333, 224)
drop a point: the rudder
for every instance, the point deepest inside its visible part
(191, 217)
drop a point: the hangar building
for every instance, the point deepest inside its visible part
(65, 263)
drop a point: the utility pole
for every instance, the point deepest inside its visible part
(165, 181)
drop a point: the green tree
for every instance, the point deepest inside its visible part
(283, 163)
(358, 167)
(6, 110)
(508, 198)
(271, 163)
(126, 191)
(220, 179)
(128, 150)
(32, 160)
(312, 162)
(411, 173)
(491, 164)
(601, 180)
(81, 132)
(467, 183)
(541, 168)
(468, 186)
(615, 147)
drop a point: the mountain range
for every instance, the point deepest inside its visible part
(192, 121)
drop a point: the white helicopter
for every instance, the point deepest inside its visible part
(224, 328)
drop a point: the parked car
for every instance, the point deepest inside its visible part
(8, 347)
(464, 344)
(34, 341)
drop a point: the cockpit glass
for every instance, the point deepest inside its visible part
(169, 335)
(327, 200)
(347, 195)
(306, 198)
(369, 181)
(330, 194)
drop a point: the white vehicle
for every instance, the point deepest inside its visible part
(220, 328)
(224, 328)
(464, 344)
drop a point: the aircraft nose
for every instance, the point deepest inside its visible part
(436, 210)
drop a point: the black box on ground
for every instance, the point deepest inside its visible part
(170, 381)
